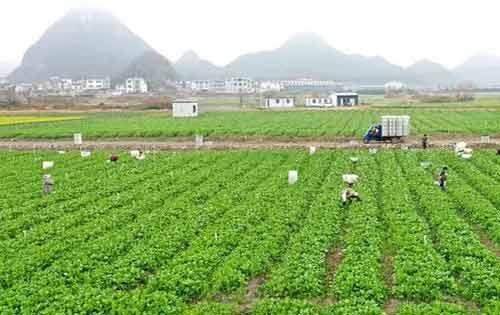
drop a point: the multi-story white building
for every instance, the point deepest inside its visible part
(309, 84)
(136, 86)
(201, 85)
(240, 85)
(66, 84)
(93, 84)
(269, 86)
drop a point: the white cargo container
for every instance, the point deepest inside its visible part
(485, 139)
(395, 126)
(185, 108)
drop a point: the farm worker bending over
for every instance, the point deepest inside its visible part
(114, 158)
(348, 195)
(442, 178)
(425, 142)
(47, 184)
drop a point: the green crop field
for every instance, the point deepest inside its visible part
(219, 233)
(261, 123)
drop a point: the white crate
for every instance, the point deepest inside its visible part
(47, 164)
(78, 139)
(395, 126)
(312, 150)
(199, 140)
(293, 177)
(485, 139)
(85, 154)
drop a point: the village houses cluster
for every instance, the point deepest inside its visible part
(58, 86)
(243, 85)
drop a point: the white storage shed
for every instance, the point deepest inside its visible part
(280, 102)
(319, 102)
(185, 108)
(345, 99)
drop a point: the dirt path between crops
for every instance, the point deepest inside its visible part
(231, 143)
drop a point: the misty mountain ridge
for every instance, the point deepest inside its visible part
(429, 72)
(483, 69)
(7, 67)
(85, 42)
(309, 55)
(191, 67)
(93, 42)
(154, 68)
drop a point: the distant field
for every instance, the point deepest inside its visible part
(259, 123)
(15, 119)
(488, 102)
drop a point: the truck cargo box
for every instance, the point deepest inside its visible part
(395, 126)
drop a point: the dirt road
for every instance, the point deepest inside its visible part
(236, 143)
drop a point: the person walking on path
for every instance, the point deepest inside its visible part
(425, 142)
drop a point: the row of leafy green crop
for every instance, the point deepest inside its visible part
(420, 273)
(476, 270)
(135, 207)
(358, 278)
(302, 272)
(288, 124)
(42, 258)
(153, 237)
(482, 203)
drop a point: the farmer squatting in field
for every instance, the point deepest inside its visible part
(349, 195)
(47, 184)
(442, 178)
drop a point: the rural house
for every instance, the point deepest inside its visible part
(280, 102)
(185, 108)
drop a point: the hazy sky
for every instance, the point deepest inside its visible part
(445, 31)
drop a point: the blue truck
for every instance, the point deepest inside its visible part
(390, 129)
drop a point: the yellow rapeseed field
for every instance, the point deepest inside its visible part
(13, 120)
